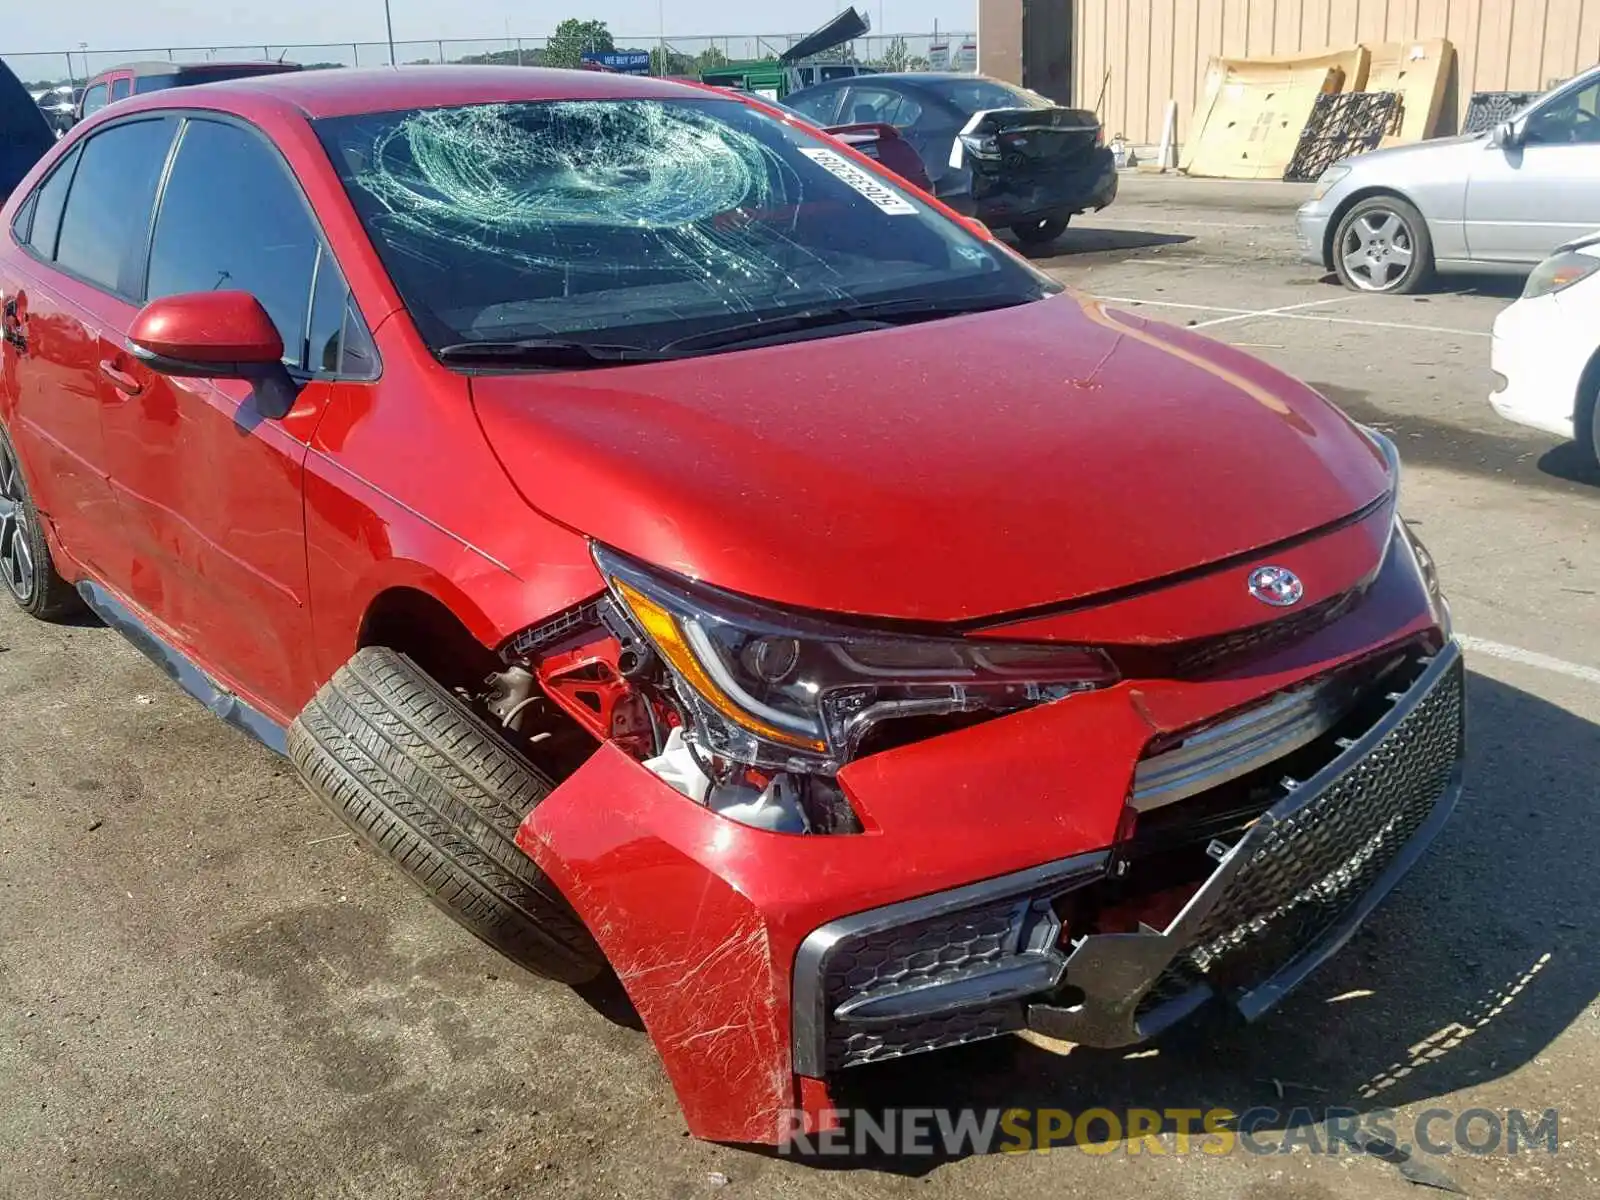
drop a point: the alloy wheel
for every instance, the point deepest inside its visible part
(16, 537)
(1377, 250)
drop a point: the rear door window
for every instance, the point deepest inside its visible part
(880, 106)
(107, 217)
(233, 218)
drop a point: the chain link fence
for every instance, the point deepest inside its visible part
(670, 56)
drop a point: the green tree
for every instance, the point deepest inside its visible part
(573, 39)
(896, 56)
(674, 64)
(712, 59)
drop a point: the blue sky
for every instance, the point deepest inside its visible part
(30, 25)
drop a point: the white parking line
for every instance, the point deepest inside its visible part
(1269, 312)
(1171, 304)
(1530, 658)
(1281, 314)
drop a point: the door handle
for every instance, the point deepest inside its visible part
(120, 379)
(12, 329)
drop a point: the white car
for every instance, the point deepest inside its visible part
(1546, 349)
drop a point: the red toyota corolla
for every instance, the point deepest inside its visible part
(693, 555)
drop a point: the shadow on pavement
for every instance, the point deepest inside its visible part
(1474, 965)
(1098, 241)
(1501, 287)
(1518, 454)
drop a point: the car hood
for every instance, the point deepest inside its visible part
(945, 471)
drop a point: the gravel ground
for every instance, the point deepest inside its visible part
(206, 990)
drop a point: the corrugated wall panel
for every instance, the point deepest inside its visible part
(1136, 99)
(1163, 76)
(1286, 26)
(1525, 52)
(1561, 40)
(1158, 49)
(1589, 33)
(1314, 20)
(1258, 24)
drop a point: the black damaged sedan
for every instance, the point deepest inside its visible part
(994, 151)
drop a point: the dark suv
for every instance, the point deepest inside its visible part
(25, 132)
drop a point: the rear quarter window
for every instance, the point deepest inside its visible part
(46, 206)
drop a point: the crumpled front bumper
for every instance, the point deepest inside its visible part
(764, 965)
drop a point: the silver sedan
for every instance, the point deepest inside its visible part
(1496, 201)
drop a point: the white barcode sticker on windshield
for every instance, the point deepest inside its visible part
(853, 177)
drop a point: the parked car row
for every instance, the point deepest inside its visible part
(66, 104)
(1521, 199)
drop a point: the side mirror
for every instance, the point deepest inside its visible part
(216, 335)
(1506, 136)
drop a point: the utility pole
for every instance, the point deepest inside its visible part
(388, 21)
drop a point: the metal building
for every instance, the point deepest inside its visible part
(1130, 57)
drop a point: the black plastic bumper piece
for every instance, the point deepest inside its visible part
(1291, 892)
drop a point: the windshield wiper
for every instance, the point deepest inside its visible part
(914, 308)
(878, 315)
(546, 352)
(772, 327)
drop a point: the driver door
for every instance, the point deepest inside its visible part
(210, 491)
(1525, 200)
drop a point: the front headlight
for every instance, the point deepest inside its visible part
(1429, 571)
(1327, 179)
(1559, 272)
(791, 692)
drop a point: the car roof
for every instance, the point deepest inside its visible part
(347, 91)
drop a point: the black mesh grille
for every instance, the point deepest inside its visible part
(1487, 109)
(913, 953)
(1313, 862)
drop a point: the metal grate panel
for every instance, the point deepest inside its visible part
(1487, 109)
(1341, 125)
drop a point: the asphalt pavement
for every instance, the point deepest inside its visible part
(207, 990)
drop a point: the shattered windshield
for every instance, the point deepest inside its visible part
(642, 222)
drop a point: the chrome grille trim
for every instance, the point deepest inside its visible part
(1225, 751)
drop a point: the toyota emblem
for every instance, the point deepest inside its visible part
(1277, 586)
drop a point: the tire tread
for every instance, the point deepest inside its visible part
(421, 779)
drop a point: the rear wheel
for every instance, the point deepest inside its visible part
(418, 777)
(27, 574)
(1041, 232)
(1382, 245)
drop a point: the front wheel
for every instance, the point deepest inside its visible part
(1382, 245)
(1041, 232)
(418, 777)
(27, 574)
